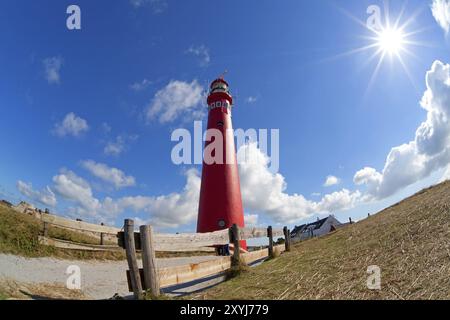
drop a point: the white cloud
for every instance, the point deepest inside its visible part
(45, 197)
(106, 128)
(429, 151)
(265, 192)
(79, 192)
(251, 220)
(251, 99)
(71, 125)
(140, 222)
(52, 68)
(119, 145)
(339, 200)
(368, 176)
(170, 210)
(441, 12)
(111, 175)
(446, 175)
(175, 99)
(137, 3)
(73, 188)
(115, 147)
(331, 181)
(157, 6)
(139, 86)
(202, 52)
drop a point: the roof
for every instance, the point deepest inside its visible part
(222, 80)
(310, 226)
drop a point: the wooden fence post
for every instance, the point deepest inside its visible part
(234, 238)
(290, 239)
(151, 279)
(130, 248)
(287, 239)
(102, 237)
(45, 229)
(270, 235)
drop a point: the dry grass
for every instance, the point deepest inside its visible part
(236, 271)
(410, 242)
(20, 291)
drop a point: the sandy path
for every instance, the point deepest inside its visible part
(99, 279)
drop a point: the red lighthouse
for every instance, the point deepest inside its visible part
(220, 196)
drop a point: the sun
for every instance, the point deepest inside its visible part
(391, 41)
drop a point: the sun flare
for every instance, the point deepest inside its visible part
(387, 39)
(391, 41)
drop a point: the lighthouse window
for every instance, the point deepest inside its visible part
(219, 85)
(218, 104)
(221, 223)
(220, 124)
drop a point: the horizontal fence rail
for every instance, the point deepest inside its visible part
(254, 233)
(199, 241)
(104, 234)
(64, 244)
(78, 225)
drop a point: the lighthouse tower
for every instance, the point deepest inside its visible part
(220, 196)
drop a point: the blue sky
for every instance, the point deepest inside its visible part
(78, 137)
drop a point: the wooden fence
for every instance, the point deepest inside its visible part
(152, 278)
(104, 233)
(70, 245)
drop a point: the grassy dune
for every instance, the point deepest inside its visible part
(409, 241)
(19, 235)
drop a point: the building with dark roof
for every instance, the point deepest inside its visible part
(315, 229)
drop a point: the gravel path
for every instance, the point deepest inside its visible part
(99, 279)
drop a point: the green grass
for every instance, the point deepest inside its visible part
(19, 236)
(64, 234)
(410, 242)
(3, 296)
